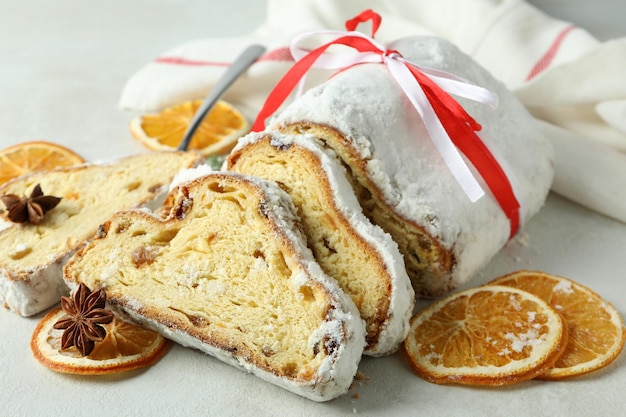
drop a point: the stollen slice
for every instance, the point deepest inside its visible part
(363, 258)
(227, 271)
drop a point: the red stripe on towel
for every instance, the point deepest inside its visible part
(278, 54)
(545, 61)
(188, 62)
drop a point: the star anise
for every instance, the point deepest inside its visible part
(29, 209)
(85, 314)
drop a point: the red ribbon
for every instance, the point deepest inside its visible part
(459, 125)
(461, 128)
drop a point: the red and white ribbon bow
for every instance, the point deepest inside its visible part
(448, 124)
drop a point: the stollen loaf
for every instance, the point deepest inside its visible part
(399, 176)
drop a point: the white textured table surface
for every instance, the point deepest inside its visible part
(62, 67)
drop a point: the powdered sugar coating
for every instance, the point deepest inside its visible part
(190, 174)
(565, 286)
(4, 224)
(368, 107)
(43, 288)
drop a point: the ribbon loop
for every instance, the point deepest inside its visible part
(363, 17)
(451, 128)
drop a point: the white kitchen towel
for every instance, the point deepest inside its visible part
(565, 77)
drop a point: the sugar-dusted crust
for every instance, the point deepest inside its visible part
(32, 257)
(363, 259)
(228, 272)
(398, 175)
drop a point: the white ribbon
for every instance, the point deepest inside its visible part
(397, 67)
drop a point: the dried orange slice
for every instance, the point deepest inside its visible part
(125, 347)
(28, 157)
(595, 327)
(489, 335)
(217, 134)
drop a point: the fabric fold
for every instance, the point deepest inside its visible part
(577, 157)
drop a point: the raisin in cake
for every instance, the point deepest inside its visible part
(363, 259)
(228, 272)
(32, 255)
(400, 178)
